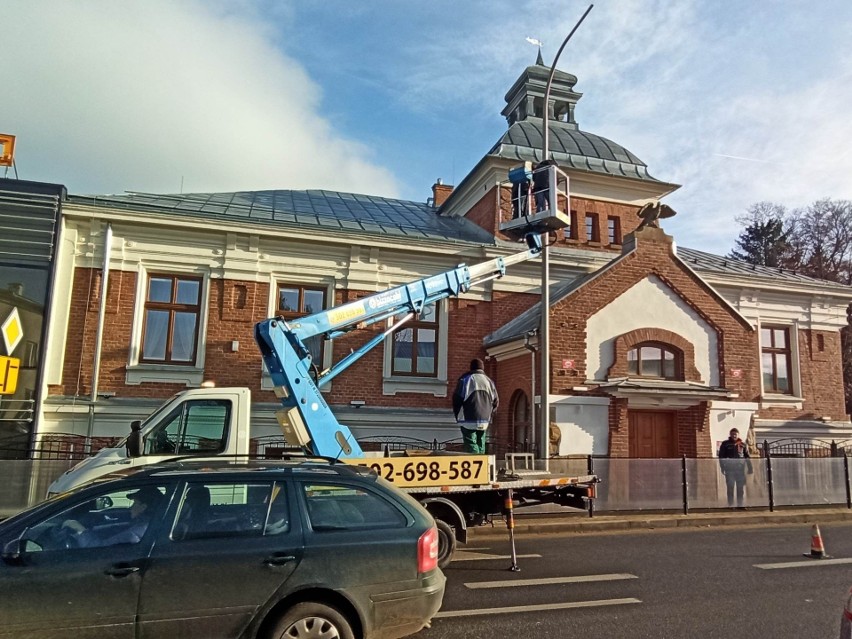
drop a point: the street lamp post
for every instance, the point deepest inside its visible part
(545, 269)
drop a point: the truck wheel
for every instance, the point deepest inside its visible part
(309, 620)
(446, 543)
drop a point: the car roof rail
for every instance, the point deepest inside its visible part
(287, 456)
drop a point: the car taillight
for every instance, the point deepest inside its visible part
(427, 551)
(848, 609)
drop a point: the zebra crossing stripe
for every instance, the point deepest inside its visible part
(511, 583)
(536, 608)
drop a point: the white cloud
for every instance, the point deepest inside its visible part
(106, 96)
(681, 85)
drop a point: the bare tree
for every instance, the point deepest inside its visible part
(820, 238)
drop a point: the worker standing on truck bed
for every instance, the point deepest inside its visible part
(474, 402)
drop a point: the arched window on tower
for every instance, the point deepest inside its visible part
(656, 360)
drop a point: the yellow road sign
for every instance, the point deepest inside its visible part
(7, 149)
(9, 367)
(12, 330)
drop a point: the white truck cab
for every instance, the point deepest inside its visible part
(200, 421)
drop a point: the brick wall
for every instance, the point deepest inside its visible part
(821, 375)
(511, 376)
(693, 429)
(234, 308)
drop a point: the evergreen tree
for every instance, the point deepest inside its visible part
(762, 242)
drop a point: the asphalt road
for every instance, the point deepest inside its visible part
(714, 583)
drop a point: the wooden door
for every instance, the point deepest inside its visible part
(652, 434)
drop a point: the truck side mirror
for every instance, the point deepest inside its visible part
(134, 440)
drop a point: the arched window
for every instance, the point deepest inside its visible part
(520, 416)
(655, 360)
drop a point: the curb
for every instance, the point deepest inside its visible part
(610, 523)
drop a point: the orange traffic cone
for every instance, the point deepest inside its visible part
(817, 549)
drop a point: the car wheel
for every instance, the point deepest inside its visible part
(311, 620)
(446, 543)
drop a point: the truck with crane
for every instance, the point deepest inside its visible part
(457, 489)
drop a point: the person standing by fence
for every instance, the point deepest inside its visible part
(734, 461)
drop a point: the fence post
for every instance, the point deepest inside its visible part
(685, 485)
(590, 464)
(834, 449)
(846, 475)
(769, 476)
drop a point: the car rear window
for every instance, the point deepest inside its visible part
(340, 507)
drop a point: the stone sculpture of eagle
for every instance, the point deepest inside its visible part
(654, 211)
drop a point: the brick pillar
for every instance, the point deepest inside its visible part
(619, 442)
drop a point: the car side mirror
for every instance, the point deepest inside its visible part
(134, 440)
(15, 552)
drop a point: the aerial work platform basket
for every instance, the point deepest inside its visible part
(534, 201)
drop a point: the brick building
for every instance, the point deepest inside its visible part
(656, 351)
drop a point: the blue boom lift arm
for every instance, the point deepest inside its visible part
(306, 419)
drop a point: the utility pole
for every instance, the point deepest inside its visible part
(544, 346)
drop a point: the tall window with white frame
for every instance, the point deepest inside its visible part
(776, 359)
(172, 312)
(415, 346)
(294, 301)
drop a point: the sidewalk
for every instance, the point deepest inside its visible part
(581, 522)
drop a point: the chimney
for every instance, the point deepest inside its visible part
(440, 192)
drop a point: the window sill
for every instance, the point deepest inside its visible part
(772, 400)
(164, 373)
(425, 385)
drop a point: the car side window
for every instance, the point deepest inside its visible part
(231, 509)
(339, 507)
(112, 518)
(195, 427)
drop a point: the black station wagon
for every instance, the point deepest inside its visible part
(289, 549)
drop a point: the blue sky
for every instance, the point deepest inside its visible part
(737, 101)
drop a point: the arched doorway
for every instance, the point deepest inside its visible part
(520, 431)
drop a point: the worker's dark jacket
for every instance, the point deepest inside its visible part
(474, 400)
(734, 457)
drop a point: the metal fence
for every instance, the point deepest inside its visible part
(788, 474)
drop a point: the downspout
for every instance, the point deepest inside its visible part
(533, 350)
(96, 363)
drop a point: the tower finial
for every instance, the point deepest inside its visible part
(539, 60)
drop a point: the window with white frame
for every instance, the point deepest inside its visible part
(296, 300)
(415, 345)
(416, 354)
(171, 319)
(776, 359)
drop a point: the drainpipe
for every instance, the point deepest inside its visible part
(532, 349)
(96, 363)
